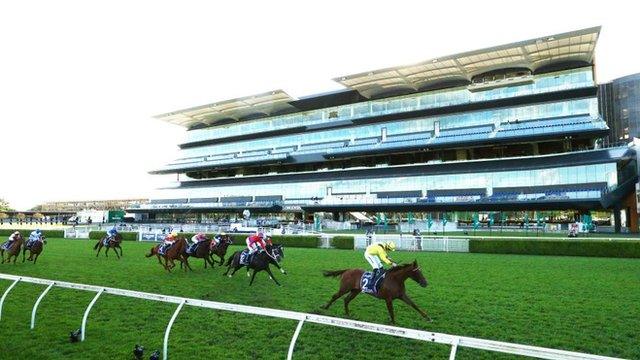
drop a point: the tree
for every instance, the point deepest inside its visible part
(4, 205)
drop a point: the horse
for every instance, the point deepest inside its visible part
(177, 251)
(13, 250)
(260, 261)
(35, 249)
(392, 287)
(202, 251)
(221, 249)
(113, 243)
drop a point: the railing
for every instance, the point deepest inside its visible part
(452, 340)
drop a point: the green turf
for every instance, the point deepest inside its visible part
(580, 304)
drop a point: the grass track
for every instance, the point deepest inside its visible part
(581, 304)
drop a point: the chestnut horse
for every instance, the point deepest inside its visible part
(202, 251)
(177, 251)
(35, 249)
(113, 243)
(13, 250)
(392, 287)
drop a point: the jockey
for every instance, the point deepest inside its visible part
(12, 238)
(35, 235)
(111, 233)
(168, 240)
(199, 237)
(217, 239)
(377, 252)
(255, 242)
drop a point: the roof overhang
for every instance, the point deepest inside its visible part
(576, 47)
(248, 107)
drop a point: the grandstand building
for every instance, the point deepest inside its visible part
(516, 127)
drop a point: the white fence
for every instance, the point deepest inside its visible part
(415, 243)
(452, 340)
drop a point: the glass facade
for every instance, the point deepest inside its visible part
(550, 82)
(364, 189)
(403, 127)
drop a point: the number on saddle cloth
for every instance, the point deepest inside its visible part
(192, 248)
(7, 245)
(244, 257)
(371, 284)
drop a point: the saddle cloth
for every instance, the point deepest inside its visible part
(244, 257)
(371, 285)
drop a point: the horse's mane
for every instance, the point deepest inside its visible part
(400, 267)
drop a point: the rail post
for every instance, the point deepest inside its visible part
(86, 314)
(35, 306)
(294, 339)
(6, 292)
(454, 349)
(165, 346)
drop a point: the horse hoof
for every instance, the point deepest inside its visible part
(282, 271)
(248, 274)
(228, 275)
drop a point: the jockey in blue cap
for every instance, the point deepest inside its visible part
(35, 235)
(111, 233)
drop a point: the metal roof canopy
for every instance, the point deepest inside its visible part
(260, 105)
(575, 46)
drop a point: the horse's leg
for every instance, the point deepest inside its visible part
(186, 262)
(2, 254)
(36, 258)
(390, 309)
(15, 257)
(106, 251)
(99, 248)
(159, 259)
(119, 247)
(271, 276)
(343, 290)
(115, 250)
(347, 300)
(234, 270)
(410, 302)
(253, 276)
(24, 251)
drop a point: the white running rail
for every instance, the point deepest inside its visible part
(452, 340)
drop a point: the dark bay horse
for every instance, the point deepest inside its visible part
(177, 251)
(260, 261)
(221, 249)
(202, 251)
(35, 249)
(113, 243)
(13, 250)
(392, 287)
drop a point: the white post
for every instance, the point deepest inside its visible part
(35, 306)
(165, 348)
(6, 292)
(454, 349)
(86, 314)
(294, 339)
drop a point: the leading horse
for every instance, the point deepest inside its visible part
(112, 244)
(13, 250)
(392, 287)
(34, 250)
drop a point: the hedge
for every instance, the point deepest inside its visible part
(619, 249)
(126, 236)
(342, 242)
(26, 232)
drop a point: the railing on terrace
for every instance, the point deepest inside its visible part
(454, 341)
(434, 99)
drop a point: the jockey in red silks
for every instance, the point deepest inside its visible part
(256, 242)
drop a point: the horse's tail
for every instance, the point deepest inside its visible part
(229, 260)
(150, 254)
(95, 247)
(333, 273)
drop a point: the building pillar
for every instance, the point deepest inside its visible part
(461, 154)
(617, 221)
(534, 149)
(631, 207)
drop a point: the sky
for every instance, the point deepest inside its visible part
(81, 80)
